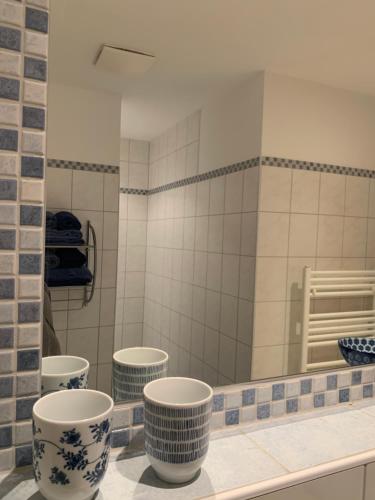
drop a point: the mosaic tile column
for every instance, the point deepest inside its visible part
(23, 95)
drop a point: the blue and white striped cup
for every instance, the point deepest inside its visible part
(177, 426)
(135, 367)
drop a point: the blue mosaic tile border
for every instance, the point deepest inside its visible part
(260, 401)
(80, 165)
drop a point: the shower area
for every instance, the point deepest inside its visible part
(185, 269)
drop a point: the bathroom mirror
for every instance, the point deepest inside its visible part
(226, 214)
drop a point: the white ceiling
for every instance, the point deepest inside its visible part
(204, 46)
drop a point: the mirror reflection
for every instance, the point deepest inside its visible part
(226, 237)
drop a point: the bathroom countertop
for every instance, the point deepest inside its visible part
(242, 463)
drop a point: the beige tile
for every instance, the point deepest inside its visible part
(201, 233)
(270, 284)
(247, 278)
(136, 233)
(214, 269)
(110, 231)
(203, 196)
(213, 309)
(106, 339)
(229, 315)
(370, 251)
(104, 378)
(233, 192)
(211, 347)
(275, 189)
(87, 190)
(269, 323)
(111, 192)
(32, 191)
(96, 219)
(332, 194)
(217, 195)
(138, 176)
(83, 317)
(59, 188)
(371, 207)
(109, 268)
(330, 236)
(232, 234)
(303, 235)
(273, 232)
(83, 342)
(227, 357)
(200, 268)
(230, 277)
(215, 233)
(248, 234)
(138, 151)
(355, 235)
(245, 321)
(356, 196)
(267, 362)
(250, 190)
(243, 363)
(305, 191)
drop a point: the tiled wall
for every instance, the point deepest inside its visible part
(91, 192)
(200, 260)
(134, 160)
(23, 92)
(306, 218)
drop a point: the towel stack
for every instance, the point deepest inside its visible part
(65, 266)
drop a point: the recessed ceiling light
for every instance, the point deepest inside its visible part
(124, 61)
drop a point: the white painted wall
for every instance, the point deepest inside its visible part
(231, 126)
(83, 125)
(304, 120)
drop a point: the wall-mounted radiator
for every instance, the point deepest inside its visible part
(325, 329)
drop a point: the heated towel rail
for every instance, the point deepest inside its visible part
(325, 329)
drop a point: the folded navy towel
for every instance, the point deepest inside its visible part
(66, 220)
(52, 260)
(51, 222)
(70, 257)
(67, 237)
(68, 276)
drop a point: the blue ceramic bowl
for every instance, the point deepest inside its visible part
(358, 350)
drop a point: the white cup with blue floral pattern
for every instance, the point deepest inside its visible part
(71, 443)
(64, 372)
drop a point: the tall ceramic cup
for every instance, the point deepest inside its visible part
(135, 367)
(177, 426)
(64, 372)
(71, 443)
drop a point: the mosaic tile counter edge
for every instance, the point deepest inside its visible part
(262, 401)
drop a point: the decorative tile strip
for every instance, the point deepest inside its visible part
(256, 402)
(316, 167)
(143, 192)
(79, 165)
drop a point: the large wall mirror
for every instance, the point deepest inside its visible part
(215, 227)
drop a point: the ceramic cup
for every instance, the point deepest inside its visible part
(64, 372)
(177, 426)
(71, 443)
(135, 367)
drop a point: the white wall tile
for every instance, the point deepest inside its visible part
(233, 192)
(356, 196)
(229, 315)
(87, 191)
(138, 151)
(303, 235)
(270, 278)
(355, 235)
(59, 187)
(217, 195)
(230, 276)
(275, 189)
(250, 190)
(332, 194)
(111, 192)
(273, 233)
(269, 323)
(330, 236)
(305, 191)
(138, 176)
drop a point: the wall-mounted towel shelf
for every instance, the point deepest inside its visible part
(91, 257)
(320, 330)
